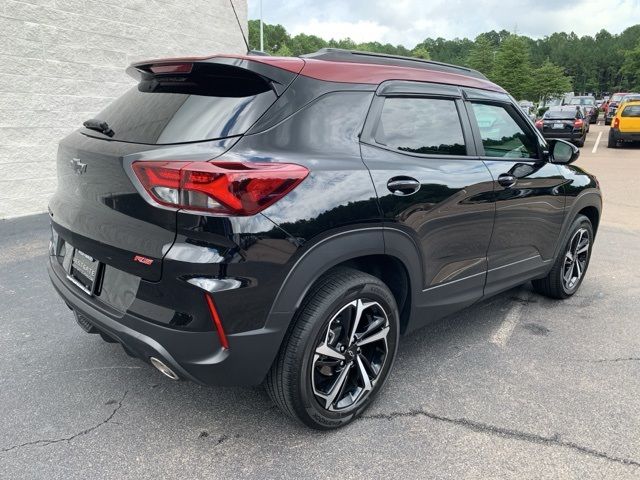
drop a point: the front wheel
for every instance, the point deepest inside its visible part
(339, 351)
(570, 267)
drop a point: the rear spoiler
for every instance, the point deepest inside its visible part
(278, 71)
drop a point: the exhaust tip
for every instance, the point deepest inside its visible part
(163, 368)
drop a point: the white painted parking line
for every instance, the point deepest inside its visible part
(501, 336)
(595, 147)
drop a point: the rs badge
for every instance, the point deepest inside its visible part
(142, 260)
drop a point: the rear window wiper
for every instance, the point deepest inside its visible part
(99, 126)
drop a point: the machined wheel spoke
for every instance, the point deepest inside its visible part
(579, 240)
(380, 335)
(579, 269)
(327, 351)
(582, 249)
(568, 274)
(336, 389)
(569, 256)
(360, 308)
(366, 381)
(372, 328)
(368, 366)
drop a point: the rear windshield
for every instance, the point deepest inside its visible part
(631, 111)
(582, 101)
(560, 114)
(212, 102)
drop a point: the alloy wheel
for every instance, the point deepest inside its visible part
(350, 356)
(575, 259)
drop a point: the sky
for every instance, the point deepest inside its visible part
(408, 22)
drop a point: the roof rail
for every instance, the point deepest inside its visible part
(356, 56)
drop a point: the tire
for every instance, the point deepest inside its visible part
(559, 283)
(607, 121)
(303, 381)
(612, 142)
(580, 142)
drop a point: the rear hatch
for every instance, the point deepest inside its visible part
(560, 121)
(182, 110)
(630, 118)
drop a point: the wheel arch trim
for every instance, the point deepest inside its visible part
(334, 250)
(588, 198)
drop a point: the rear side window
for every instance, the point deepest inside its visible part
(214, 101)
(501, 135)
(421, 125)
(631, 111)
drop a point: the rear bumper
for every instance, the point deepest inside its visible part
(625, 136)
(196, 356)
(563, 135)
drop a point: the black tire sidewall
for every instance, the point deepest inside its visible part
(310, 410)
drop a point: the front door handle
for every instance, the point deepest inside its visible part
(403, 185)
(507, 180)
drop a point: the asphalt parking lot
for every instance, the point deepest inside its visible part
(518, 386)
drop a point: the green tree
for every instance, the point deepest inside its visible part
(275, 36)
(481, 55)
(512, 69)
(549, 81)
(283, 51)
(631, 67)
(420, 52)
(302, 44)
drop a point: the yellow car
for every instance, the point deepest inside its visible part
(625, 126)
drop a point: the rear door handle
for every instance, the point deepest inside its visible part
(403, 185)
(507, 180)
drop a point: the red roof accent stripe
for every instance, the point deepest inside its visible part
(348, 72)
(374, 74)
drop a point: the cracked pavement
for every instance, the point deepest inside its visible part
(557, 397)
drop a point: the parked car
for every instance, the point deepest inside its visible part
(251, 219)
(528, 108)
(588, 104)
(629, 97)
(612, 105)
(626, 124)
(566, 122)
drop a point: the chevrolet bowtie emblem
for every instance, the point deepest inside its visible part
(78, 167)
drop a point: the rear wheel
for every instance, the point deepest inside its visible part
(612, 142)
(580, 141)
(338, 353)
(570, 267)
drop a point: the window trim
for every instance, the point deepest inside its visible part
(375, 115)
(520, 120)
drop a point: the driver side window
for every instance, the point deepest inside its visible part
(501, 134)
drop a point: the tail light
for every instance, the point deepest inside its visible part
(578, 123)
(539, 124)
(616, 122)
(167, 68)
(224, 188)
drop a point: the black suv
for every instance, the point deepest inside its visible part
(250, 219)
(567, 122)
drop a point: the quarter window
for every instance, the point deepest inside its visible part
(501, 135)
(631, 111)
(421, 125)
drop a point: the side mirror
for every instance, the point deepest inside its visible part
(563, 152)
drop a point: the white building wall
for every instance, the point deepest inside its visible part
(62, 61)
